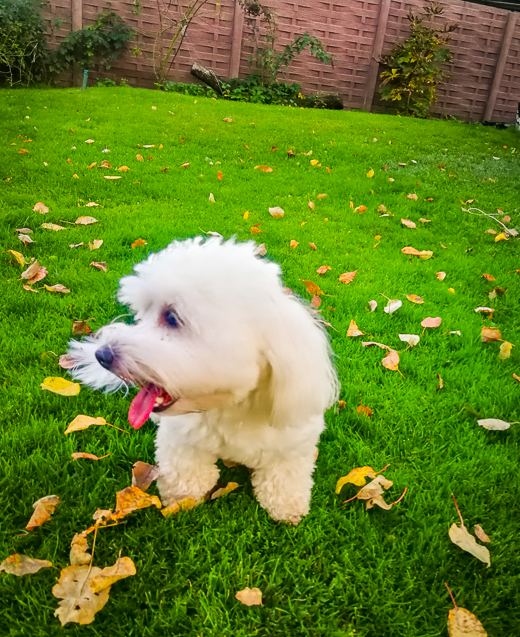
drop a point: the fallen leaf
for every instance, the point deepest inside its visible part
(78, 550)
(370, 173)
(441, 382)
(494, 424)
(95, 245)
(312, 288)
(422, 254)
(423, 220)
(227, 119)
(105, 164)
(255, 230)
(353, 329)
(261, 250)
(75, 245)
(41, 208)
(488, 277)
(57, 288)
(22, 565)
(220, 176)
(65, 361)
(76, 455)
(138, 243)
(29, 288)
(505, 350)
(485, 310)
(276, 212)
(374, 488)
(516, 377)
(411, 339)
(391, 360)
(460, 536)
(123, 169)
(112, 177)
(61, 386)
(479, 532)
(356, 476)
(211, 197)
(489, 334)
(363, 409)
(381, 208)
(315, 302)
(414, 298)
(312, 246)
(322, 269)
(23, 151)
(347, 277)
(139, 157)
(392, 306)
(124, 567)
(78, 602)
(313, 161)
(85, 221)
(230, 486)
(250, 596)
(372, 305)
(18, 256)
(131, 499)
(462, 623)
(34, 273)
(143, 474)
(412, 195)
(441, 276)
(501, 237)
(408, 223)
(431, 322)
(321, 196)
(25, 239)
(311, 205)
(83, 422)
(43, 509)
(80, 327)
(374, 344)
(360, 209)
(186, 504)
(53, 226)
(94, 163)
(294, 243)
(264, 169)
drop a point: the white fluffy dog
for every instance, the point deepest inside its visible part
(229, 366)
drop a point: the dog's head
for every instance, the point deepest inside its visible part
(212, 324)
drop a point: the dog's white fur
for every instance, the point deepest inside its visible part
(250, 364)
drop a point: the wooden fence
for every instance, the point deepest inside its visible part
(486, 48)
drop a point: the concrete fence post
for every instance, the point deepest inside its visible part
(377, 47)
(499, 69)
(77, 24)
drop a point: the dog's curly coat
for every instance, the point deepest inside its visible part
(230, 366)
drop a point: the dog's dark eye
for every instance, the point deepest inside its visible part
(171, 318)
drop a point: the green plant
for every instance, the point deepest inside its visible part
(187, 89)
(23, 46)
(269, 63)
(105, 82)
(413, 68)
(254, 89)
(99, 43)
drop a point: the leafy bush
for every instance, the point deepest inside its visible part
(99, 43)
(23, 46)
(188, 89)
(254, 89)
(413, 70)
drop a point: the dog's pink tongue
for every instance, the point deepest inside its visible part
(142, 405)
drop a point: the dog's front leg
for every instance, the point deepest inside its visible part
(187, 469)
(283, 488)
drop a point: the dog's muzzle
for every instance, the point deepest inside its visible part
(105, 356)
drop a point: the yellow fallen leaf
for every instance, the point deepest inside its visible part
(43, 509)
(294, 243)
(370, 173)
(85, 221)
(186, 504)
(314, 162)
(312, 288)
(505, 350)
(53, 226)
(76, 455)
(501, 237)
(18, 256)
(124, 567)
(321, 196)
(489, 334)
(245, 215)
(451, 290)
(353, 329)
(230, 486)
(61, 386)
(322, 269)
(123, 169)
(357, 477)
(95, 245)
(414, 298)
(57, 288)
(78, 602)
(462, 623)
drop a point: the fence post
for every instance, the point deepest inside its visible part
(77, 24)
(236, 41)
(499, 70)
(377, 47)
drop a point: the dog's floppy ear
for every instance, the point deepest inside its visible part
(303, 379)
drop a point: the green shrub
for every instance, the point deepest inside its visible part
(413, 68)
(187, 89)
(23, 46)
(254, 89)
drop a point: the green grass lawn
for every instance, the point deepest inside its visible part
(343, 571)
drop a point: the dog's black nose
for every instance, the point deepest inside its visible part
(105, 356)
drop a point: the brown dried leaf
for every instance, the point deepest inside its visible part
(353, 329)
(391, 360)
(250, 596)
(85, 221)
(186, 504)
(373, 343)
(264, 169)
(488, 277)
(143, 474)
(230, 486)
(95, 245)
(131, 499)
(312, 288)
(25, 239)
(43, 508)
(57, 288)
(76, 455)
(100, 265)
(79, 603)
(78, 550)
(479, 532)
(374, 488)
(276, 212)
(123, 169)
(22, 565)
(312, 246)
(315, 302)
(408, 223)
(53, 226)
(139, 157)
(322, 269)
(80, 327)
(124, 567)
(441, 276)
(293, 243)
(347, 277)
(489, 334)
(41, 208)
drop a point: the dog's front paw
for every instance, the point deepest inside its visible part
(283, 493)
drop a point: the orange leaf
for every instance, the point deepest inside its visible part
(312, 246)
(138, 243)
(100, 265)
(488, 277)
(264, 169)
(43, 508)
(294, 243)
(323, 268)
(250, 596)
(353, 329)
(414, 298)
(489, 334)
(22, 565)
(220, 176)
(312, 288)
(347, 277)
(391, 360)
(315, 302)
(139, 157)
(89, 456)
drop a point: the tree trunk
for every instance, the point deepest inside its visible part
(208, 76)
